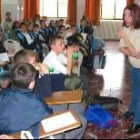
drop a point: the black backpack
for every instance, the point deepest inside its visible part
(109, 103)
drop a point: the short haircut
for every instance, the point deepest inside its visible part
(35, 26)
(73, 41)
(22, 75)
(135, 13)
(23, 56)
(54, 38)
(78, 35)
(7, 13)
(61, 19)
(41, 21)
(22, 24)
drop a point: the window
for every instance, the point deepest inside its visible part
(112, 9)
(53, 8)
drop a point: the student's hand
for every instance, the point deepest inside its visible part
(70, 51)
(6, 137)
(42, 68)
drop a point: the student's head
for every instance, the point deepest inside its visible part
(57, 44)
(52, 23)
(42, 23)
(30, 26)
(23, 27)
(8, 15)
(37, 17)
(74, 42)
(74, 28)
(23, 76)
(16, 25)
(83, 22)
(35, 27)
(62, 28)
(25, 56)
(61, 21)
(79, 36)
(45, 18)
(131, 16)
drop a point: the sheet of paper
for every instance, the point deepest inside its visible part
(57, 122)
(26, 135)
(4, 57)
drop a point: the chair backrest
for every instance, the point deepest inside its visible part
(12, 47)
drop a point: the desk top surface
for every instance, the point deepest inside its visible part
(65, 97)
(43, 134)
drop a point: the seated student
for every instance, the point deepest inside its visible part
(74, 41)
(62, 66)
(27, 41)
(20, 109)
(58, 61)
(44, 31)
(43, 87)
(4, 70)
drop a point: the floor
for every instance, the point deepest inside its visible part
(113, 81)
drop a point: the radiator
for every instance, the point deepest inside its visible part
(107, 29)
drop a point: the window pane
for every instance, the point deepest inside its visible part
(120, 5)
(62, 8)
(108, 9)
(49, 8)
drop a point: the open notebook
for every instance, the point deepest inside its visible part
(60, 123)
(3, 57)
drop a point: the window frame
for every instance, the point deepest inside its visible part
(101, 18)
(57, 11)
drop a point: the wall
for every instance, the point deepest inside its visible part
(80, 9)
(15, 7)
(137, 2)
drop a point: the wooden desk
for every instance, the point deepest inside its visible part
(43, 134)
(65, 97)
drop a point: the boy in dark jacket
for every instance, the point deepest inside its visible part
(20, 109)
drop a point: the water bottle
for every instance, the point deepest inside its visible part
(75, 55)
(50, 69)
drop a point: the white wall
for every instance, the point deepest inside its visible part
(15, 7)
(137, 2)
(80, 9)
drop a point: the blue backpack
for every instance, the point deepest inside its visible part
(100, 117)
(97, 44)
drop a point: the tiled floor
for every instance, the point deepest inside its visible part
(113, 81)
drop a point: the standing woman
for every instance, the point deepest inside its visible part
(130, 46)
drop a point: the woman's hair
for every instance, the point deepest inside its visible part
(135, 14)
(22, 75)
(23, 56)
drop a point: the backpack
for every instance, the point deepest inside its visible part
(99, 60)
(97, 44)
(100, 117)
(106, 102)
(73, 82)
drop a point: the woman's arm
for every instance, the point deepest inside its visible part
(130, 50)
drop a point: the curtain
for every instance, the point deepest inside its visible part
(0, 11)
(130, 1)
(72, 11)
(93, 8)
(32, 8)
